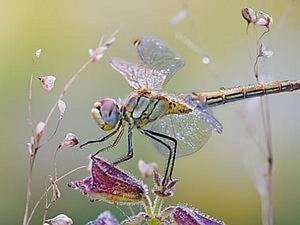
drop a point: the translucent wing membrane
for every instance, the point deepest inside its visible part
(157, 55)
(158, 64)
(201, 110)
(139, 76)
(190, 131)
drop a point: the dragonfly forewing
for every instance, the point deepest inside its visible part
(158, 56)
(139, 76)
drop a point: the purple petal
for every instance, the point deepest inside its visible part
(187, 216)
(108, 182)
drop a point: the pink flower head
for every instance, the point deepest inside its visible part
(104, 218)
(70, 140)
(47, 82)
(109, 183)
(187, 216)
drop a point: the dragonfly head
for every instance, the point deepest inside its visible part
(106, 113)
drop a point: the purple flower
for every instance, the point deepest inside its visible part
(187, 216)
(104, 218)
(109, 183)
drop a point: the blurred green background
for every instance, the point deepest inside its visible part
(219, 179)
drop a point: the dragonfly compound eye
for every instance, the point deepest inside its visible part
(106, 113)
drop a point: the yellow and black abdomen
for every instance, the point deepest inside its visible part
(224, 95)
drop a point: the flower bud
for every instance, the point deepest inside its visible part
(39, 130)
(70, 140)
(31, 145)
(263, 19)
(60, 219)
(56, 194)
(249, 15)
(47, 82)
(61, 108)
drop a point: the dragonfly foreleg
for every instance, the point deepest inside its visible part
(172, 151)
(99, 140)
(116, 141)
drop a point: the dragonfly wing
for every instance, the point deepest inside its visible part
(156, 55)
(201, 110)
(138, 76)
(190, 131)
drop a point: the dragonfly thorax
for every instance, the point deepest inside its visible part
(145, 106)
(106, 113)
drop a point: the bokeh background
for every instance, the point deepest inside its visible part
(219, 179)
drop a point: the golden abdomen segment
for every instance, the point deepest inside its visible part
(227, 95)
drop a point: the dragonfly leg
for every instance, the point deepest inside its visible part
(172, 151)
(129, 153)
(130, 149)
(99, 140)
(116, 141)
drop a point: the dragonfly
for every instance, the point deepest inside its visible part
(178, 124)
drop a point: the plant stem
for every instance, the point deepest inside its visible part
(29, 185)
(48, 189)
(157, 205)
(156, 211)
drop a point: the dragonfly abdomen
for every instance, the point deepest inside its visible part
(226, 95)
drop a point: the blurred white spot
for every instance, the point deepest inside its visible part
(38, 53)
(146, 169)
(206, 60)
(181, 15)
